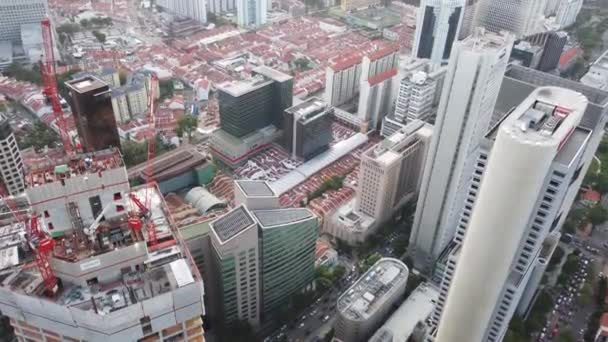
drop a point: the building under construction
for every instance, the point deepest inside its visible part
(84, 265)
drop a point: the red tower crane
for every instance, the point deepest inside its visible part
(144, 207)
(149, 173)
(50, 85)
(40, 244)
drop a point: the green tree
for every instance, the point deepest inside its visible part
(601, 182)
(39, 137)
(597, 215)
(20, 73)
(84, 23)
(339, 272)
(186, 125)
(68, 28)
(566, 336)
(100, 36)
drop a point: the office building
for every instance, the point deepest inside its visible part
(419, 91)
(129, 101)
(11, 164)
(307, 128)
(261, 257)
(254, 103)
(219, 7)
(111, 282)
(194, 9)
(367, 303)
(389, 176)
(409, 317)
(567, 11)
(91, 102)
(251, 112)
(437, 28)
(526, 54)
(391, 171)
(519, 17)
(470, 90)
(552, 50)
(110, 76)
(552, 202)
(251, 13)
(537, 134)
(468, 18)
(15, 13)
(597, 76)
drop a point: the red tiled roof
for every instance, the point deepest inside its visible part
(592, 196)
(381, 77)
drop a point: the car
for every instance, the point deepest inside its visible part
(303, 317)
(301, 325)
(313, 312)
(326, 318)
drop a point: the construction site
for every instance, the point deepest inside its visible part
(85, 257)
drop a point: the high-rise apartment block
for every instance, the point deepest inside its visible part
(468, 18)
(261, 256)
(366, 304)
(345, 74)
(470, 90)
(15, 13)
(437, 29)
(219, 7)
(113, 284)
(567, 11)
(91, 102)
(307, 128)
(531, 155)
(377, 86)
(419, 91)
(11, 164)
(251, 13)
(519, 17)
(194, 9)
(549, 205)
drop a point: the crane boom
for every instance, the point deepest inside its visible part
(149, 173)
(50, 85)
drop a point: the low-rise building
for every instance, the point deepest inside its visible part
(597, 76)
(367, 303)
(408, 322)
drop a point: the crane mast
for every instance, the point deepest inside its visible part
(49, 79)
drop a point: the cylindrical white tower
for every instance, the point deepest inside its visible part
(526, 144)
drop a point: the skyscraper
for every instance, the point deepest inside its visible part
(11, 164)
(261, 256)
(468, 18)
(567, 11)
(91, 102)
(552, 51)
(552, 204)
(195, 9)
(537, 135)
(437, 28)
(471, 87)
(15, 13)
(251, 13)
(519, 17)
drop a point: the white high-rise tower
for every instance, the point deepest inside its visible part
(251, 13)
(437, 28)
(521, 17)
(528, 142)
(473, 79)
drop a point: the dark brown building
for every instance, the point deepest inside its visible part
(92, 109)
